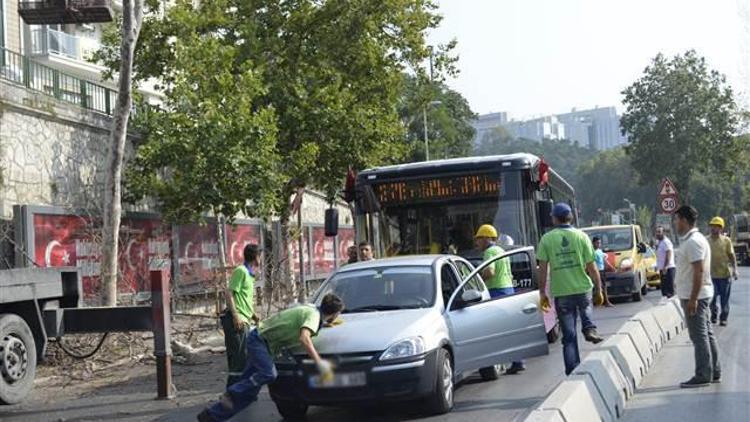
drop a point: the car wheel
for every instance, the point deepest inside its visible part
(491, 373)
(441, 400)
(553, 334)
(291, 410)
(17, 359)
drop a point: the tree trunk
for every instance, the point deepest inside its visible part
(112, 210)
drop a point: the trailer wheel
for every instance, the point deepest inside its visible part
(17, 359)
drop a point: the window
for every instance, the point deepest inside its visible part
(448, 282)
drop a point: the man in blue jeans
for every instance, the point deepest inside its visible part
(569, 255)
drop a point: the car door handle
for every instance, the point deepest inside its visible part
(530, 308)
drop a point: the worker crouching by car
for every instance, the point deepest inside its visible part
(284, 330)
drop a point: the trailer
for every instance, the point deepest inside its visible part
(39, 304)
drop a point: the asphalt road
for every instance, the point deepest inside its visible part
(660, 396)
(503, 400)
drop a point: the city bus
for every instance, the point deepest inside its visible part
(436, 206)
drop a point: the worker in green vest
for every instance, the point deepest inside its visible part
(497, 276)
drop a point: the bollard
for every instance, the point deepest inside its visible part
(162, 334)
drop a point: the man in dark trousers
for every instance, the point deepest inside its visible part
(291, 327)
(569, 255)
(240, 313)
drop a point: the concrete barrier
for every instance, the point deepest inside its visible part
(577, 400)
(627, 357)
(642, 343)
(611, 383)
(654, 332)
(668, 319)
(545, 416)
(675, 301)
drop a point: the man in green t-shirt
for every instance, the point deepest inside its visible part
(236, 319)
(569, 255)
(497, 276)
(289, 328)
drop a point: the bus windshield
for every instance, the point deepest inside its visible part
(448, 225)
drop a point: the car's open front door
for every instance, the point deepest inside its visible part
(487, 332)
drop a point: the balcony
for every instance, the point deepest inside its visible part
(45, 42)
(51, 12)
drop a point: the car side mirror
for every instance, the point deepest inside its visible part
(642, 248)
(545, 213)
(471, 296)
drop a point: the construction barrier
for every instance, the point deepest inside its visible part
(636, 333)
(577, 400)
(651, 327)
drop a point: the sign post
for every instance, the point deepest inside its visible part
(668, 201)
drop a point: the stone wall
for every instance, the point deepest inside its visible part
(51, 153)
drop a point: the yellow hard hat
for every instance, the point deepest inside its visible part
(717, 221)
(486, 230)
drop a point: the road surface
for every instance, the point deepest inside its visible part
(660, 396)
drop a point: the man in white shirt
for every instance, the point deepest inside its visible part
(695, 290)
(665, 262)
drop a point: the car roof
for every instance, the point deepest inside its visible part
(396, 261)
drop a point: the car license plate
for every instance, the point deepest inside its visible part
(340, 380)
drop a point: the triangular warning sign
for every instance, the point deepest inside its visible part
(667, 188)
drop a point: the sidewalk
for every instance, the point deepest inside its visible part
(660, 397)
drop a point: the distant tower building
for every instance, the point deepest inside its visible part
(486, 123)
(597, 128)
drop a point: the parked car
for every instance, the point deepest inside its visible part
(653, 278)
(625, 243)
(413, 328)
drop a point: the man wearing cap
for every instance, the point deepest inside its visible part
(569, 255)
(722, 257)
(497, 276)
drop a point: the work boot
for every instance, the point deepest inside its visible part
(515, 368)
(723, 323)
(205, 417)
(591, 336)
(694, 383)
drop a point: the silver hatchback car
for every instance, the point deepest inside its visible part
(414, 327)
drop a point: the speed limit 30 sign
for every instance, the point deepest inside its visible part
(668, 204)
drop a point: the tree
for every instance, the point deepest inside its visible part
(131, 26)
(681, 121)
(449, 130)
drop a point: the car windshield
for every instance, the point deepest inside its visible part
(383, 288)
(620, 239)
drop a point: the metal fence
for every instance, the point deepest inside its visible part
(23, 70)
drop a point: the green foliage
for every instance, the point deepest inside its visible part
(681, 121)
(449, 129)
(563, 155)
(644, 216)
(289, 93)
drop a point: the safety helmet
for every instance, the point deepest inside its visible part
(717, 221)
(486, 230)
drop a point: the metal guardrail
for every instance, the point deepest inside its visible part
(23, 70)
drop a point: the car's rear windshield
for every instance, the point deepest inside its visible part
(383, 288)
(620, 239)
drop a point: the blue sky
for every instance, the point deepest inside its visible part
(532, 57)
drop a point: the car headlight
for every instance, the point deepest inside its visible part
(403, 349)
(626, 264)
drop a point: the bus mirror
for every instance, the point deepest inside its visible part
(545, 213)
(332, 222)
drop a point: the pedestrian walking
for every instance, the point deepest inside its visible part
(291, 327)
(569, 255)
(723, 269)
(239, 313)
(497, 276)
(603, 265)
(695, 290)
(665, 263)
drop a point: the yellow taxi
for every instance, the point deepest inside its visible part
(633, 260)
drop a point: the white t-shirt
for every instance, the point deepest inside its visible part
(693, 247)
(661, 253)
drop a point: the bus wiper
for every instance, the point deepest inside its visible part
(372, 308)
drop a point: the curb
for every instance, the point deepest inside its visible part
(606, 379)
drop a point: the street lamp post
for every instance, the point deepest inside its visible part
(426, 137)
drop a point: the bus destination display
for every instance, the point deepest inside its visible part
(438, 189)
